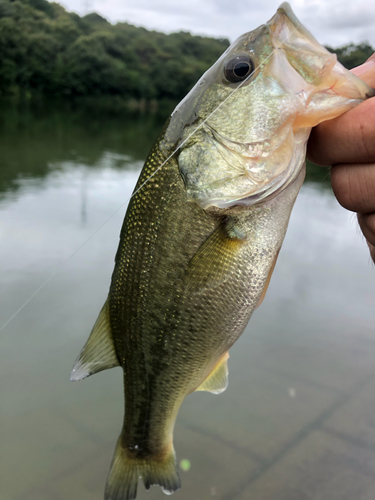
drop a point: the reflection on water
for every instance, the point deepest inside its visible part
(35, 141)
(296, 422)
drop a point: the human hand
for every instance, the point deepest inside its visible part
(347, 143)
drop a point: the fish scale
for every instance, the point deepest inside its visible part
(157, 314)
(203, 231)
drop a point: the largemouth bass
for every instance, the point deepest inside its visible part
(202, 233)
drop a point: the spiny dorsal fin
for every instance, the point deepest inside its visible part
(99, 352)
(211, 264)
(217, 381)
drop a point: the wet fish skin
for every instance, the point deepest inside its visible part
(202, 234)
(180, 327)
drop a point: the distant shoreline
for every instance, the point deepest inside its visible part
(95, 105)
(50, 52)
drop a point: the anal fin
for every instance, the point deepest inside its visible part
(217, 381)
(99, 352)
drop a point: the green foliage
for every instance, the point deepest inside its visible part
(45, 49)
(352, 55)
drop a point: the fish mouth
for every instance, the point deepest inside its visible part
(284, 25)
(245, 151)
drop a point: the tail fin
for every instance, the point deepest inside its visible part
(125, 471)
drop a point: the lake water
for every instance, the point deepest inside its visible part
(297, 420)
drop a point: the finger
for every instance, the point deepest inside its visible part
(363, 70)
(367, 225)
(349, 137)
(354, 186)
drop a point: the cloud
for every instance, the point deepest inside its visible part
(336, 22)
(345, 21)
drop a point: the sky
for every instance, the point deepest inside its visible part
(333, 22)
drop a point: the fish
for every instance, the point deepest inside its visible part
(203, 231)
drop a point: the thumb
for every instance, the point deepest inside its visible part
(366, 71)
(349, 138)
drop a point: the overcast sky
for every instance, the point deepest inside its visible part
(333, 22)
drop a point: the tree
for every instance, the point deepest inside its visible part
(352, 55)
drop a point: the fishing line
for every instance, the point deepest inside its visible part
(200, 126)
(60, 268)
(209, 116)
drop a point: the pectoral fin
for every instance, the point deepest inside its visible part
(211, 264)
(217, 381)
(99, 352)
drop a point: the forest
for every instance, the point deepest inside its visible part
(45, 50)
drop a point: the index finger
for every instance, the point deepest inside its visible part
(349, 138)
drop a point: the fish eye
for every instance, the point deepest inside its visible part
(238, 68)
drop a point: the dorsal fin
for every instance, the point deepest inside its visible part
(217, 381)
(211, 264)
(99, 352)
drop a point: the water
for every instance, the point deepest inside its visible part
(296, 422)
